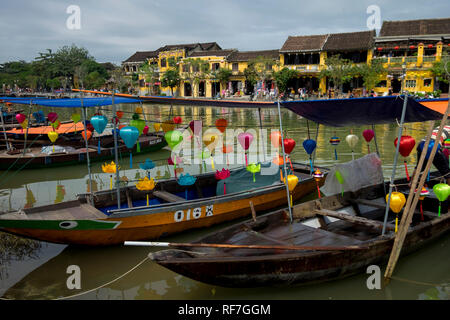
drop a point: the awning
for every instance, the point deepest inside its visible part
(43, 130)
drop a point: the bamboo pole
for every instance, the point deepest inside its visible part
(241, 246)
(409, 211)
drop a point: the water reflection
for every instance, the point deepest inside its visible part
(37, 270)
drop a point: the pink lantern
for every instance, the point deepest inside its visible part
(145, 130)
(245, 139)
(368, 136)
(221, 175)
(52, 116)
(20, 117)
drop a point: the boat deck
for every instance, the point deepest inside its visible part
(74, 211)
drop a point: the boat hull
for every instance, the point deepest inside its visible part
(149, 223)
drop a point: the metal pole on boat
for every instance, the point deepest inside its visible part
(375, 140)
(116, 154)
(4, 130)
(284, 161)
(394, 168)
(28, 124)
(83, 109)
(262, 137)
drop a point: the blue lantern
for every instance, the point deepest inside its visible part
(99, 123)
(129, 136)
(309, 145)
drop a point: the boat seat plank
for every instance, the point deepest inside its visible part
(167, 196)
(370, 203)
(353, 219)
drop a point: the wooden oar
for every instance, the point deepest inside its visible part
(240, 246)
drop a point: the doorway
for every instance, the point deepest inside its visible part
(187, 89)
(396, 85)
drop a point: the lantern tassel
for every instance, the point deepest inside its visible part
(292, 167)
(98, 148)
(147, 199)
(406, 170)
(310, 165)
(353, 155)
(281, 175)
(421, 211)
(175, 167)
(212, 163)
(335, 153)
(110, 182)
(131, 160)
(138, 147)
(368, 148)
(428, 176)
(291, 200)
(318, 189)
(439, 210)
(186, 194)
(396, 224)
(246, 163)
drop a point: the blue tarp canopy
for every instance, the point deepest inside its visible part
(69, 103)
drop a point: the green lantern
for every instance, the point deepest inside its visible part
(253, 168)
(173, 138)
(340, 179)
(442, 191)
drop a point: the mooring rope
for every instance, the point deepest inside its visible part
(420, 282)
(99, 287)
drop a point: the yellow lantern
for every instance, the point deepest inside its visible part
(52, 135)
(292, 181)
(110, 168)
(168, 126)
(396, 204)
(138, 110)
(157, 126)
(146, 184)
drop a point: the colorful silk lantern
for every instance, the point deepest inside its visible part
(334, 141)
(289, 145)
(340, 179)
(177, 120)
(352, 141)
(442, 191)
(211, 140)
(173, 138)
(99, 123)
(129, 135)
(221, 124)
(245, 140)
(407, 144)
(368, 136)
(88, 134)
(52, 116)
(56, 124)
(310, 145)
(53, 135)
(253, 168)
(75, 117)
(146, 184)
(196, 127)
(20, 117)
(318, 175)
(145, 130)
(396, 204)
(157, 126)
(140, 125)
(119, 114)
(109, 168)
(430, 147)
(223, 175)
(168, 126)
(275, 139)
(292, 181)
(138, 110)
(186, 180)
(423, 193)
(147, 166)
(39, 116)
(24, 124)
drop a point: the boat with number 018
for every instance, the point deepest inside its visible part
(172, 208)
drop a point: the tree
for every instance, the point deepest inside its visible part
(338, 70)
(223, 75)
(259, 69)
(283, 77)
(170, 78)
(150, 74)
(441, 69)
(195, 70)
(371, 73)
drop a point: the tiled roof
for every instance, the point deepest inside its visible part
(415, 27)
(141, 56)
(190, 46)
(350, 41)
(249, 55)
(304, 43)
(215, 53)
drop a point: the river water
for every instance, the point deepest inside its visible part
(38, 270)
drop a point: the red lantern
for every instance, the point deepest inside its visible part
(221, 124)
(407, 143)
(177, 120)
(289, 145)
(119, 114)
(379, 49)
(412, 47)
(430, 46)
(396, 47)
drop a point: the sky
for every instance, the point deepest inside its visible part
(113, 30)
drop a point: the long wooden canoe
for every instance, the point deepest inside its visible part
(78, 222)
(35, 158)
(352, 222)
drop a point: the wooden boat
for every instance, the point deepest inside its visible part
(78, 222)
(35, 158)
(339, 236)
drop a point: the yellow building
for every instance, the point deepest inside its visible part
(415, 44)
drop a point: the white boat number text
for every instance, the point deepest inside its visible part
(180, 215)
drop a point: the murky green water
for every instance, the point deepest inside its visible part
(39, 271)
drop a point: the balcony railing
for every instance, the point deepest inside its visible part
(411, 59)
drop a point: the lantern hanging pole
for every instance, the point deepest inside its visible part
(262, 138)
(394, 168)
(4, 131)
(116, 155)
(375, 140)
(83, 109)
(284, 161)
(317, 136)
(28, 124)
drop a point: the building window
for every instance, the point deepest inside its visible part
(185, 68)
(215, 66)
(235, 67)
(195, 68)
(163, 63)
(381, 84)
(427, 82)
(410, 83)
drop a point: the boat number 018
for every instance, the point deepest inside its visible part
(196, 213)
